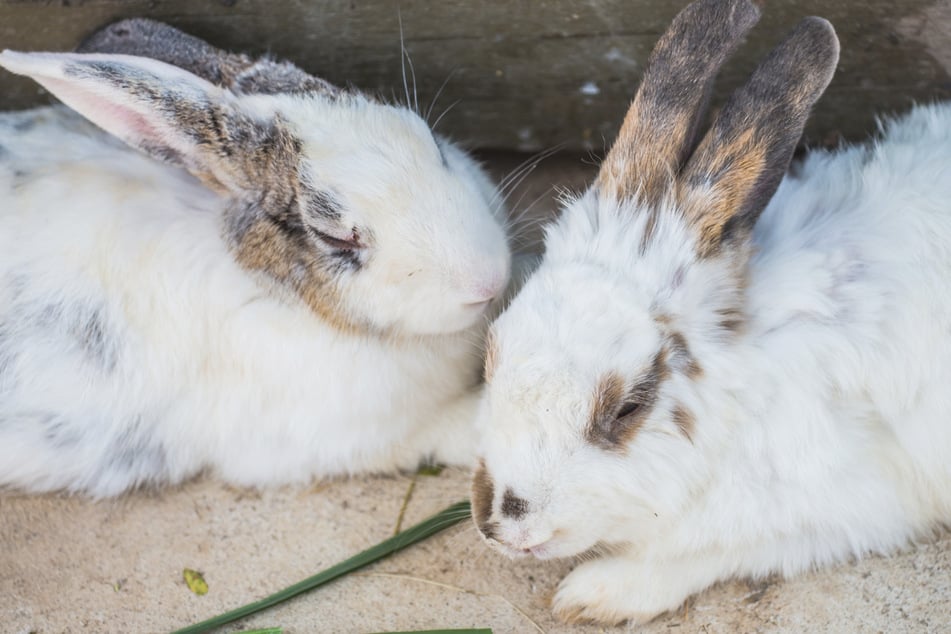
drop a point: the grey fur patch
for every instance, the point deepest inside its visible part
(58, 431)
(94, 339)
(134, 456)
(238, 72)
(24, 124)
(323, 204)
(7, 359)
(182, 106)
(81, 327)
(513, 506)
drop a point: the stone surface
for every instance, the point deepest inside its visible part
(72, 565)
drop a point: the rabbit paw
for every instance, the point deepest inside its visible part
(614, 590)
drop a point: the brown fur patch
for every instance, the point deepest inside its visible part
(732, 319)
(491, 355)
(483, 493)
(684, 420)
(266, 248)
(609, 427)
(607, 401)
(712, 197)
(658, 132)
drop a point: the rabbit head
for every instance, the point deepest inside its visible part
(592, 420)
(350, 204)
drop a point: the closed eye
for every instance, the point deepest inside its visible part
(349, 244)
(628, 408)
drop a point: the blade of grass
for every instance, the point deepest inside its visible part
(444, 519)
(479, 631)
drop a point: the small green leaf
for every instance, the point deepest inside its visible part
(195, 581)
(431, 469)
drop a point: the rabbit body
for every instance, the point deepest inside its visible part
(136, 349)
(692, 389)
(823, 432)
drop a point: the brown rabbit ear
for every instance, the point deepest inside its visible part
(237, 72)
(741, 161)
(660, 126)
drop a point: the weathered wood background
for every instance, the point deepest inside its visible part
(526, 74)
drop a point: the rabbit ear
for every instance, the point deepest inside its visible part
(741, 161)
(163, 110)
(240, 73)
(659, 129)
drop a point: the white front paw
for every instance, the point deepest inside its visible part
(614, 590)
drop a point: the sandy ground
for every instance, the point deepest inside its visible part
(72, 565)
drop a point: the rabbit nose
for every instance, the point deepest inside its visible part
(487, 280)
(487, 289)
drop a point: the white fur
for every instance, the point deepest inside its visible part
(823, 430)
(135, 350)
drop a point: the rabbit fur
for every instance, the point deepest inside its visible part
(696, 385)
(249, 272)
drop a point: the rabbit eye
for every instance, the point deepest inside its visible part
(340, 244)
(628, 408)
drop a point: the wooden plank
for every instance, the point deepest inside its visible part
(526, 74)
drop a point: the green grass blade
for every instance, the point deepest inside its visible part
(477, 631)
(442, 520)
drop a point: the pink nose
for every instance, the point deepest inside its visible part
(487, 290)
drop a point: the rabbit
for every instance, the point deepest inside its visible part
(719, 370)
(235, 268)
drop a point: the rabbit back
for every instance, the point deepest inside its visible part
(852, 256)
(84, 227)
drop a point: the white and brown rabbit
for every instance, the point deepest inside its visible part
(279, 279)
(717, 371)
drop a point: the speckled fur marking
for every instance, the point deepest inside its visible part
(513, 506)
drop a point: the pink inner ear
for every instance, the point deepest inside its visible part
(118, 119)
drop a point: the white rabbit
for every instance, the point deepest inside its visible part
(689, 390)
(297, 287)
